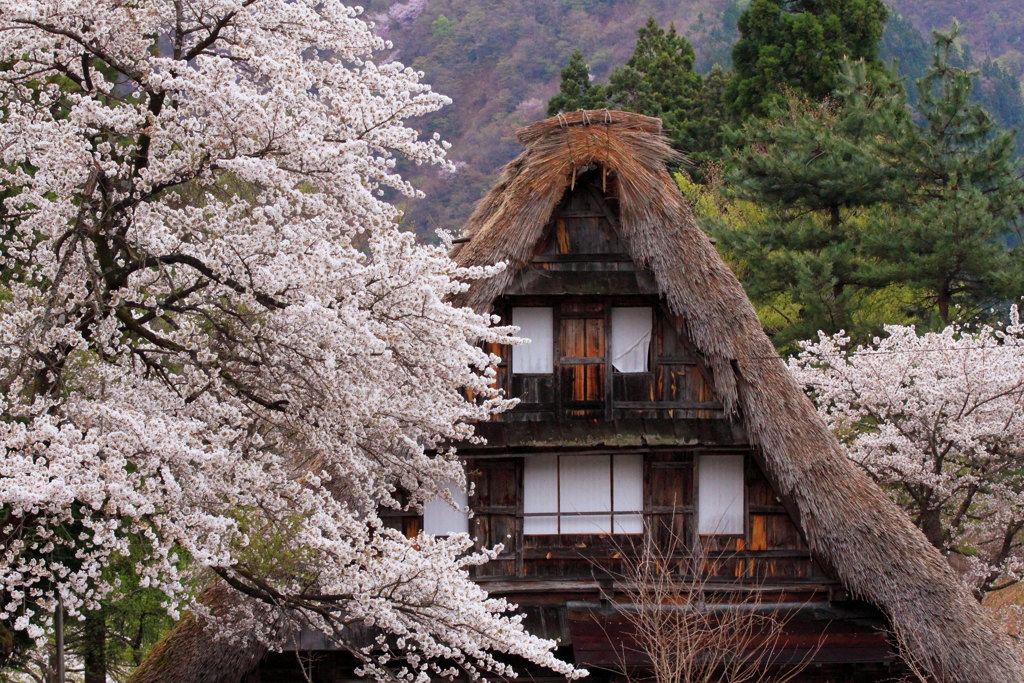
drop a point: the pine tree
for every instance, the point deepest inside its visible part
(963, 198)
(708, 119)
(816, 168)
(576, 90)
(799, 44)
(659, 80)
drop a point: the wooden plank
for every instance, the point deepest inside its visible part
(594, 346)
(562, 237)
(582, 258)
(664, 405)
(572, 337)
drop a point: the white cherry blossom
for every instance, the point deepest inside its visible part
(938, 420)
(215, 342)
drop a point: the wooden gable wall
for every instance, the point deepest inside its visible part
(581, 269)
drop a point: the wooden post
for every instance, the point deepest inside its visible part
(58, 619)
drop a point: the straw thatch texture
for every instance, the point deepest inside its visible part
(850, 524)
(190, 653)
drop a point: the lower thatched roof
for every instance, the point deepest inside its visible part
(851, 525)
(191, 653)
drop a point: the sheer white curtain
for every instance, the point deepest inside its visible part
(440, 518)
(631, 338)
(585, 486)
(720, 494)
(537, 325)
(540, 494)
(628, 475)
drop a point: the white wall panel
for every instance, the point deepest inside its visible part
(585, 486)
(540, 493)
(628, 492)
(440, 518)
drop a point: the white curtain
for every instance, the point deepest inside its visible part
(628, 493)
(720, 494)
(537, 325)
(585, 486)
(631, 338)
(540, 493)
(570, 484)
(441, 519)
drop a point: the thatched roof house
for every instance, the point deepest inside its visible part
(851, 527)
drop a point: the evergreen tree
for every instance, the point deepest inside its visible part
(860, 198)
(799, 44)
(964, 198)
(709, 116)
(659, 80)
(816, 168)
(576, 90)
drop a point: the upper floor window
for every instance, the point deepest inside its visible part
(583, 494)
(537, 325)
(720, 495)
(631, 338)
(441, 519)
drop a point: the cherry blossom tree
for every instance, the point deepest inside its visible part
(938, 420)
(215, 343)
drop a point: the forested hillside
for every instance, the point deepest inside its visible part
(993, 27)
(500, 63)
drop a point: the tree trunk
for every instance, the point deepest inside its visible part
(943, 300)
(95, 647)
(930, 522)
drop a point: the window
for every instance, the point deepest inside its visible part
(720, 494)
(631, 338)
(441, 519)
(537, 325)
(583, 494)
(582, 356)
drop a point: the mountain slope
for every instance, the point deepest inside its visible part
(500, 63)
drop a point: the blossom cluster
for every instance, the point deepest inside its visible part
(215, 342)
(938, 420)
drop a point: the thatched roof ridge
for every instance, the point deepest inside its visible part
(851, 525)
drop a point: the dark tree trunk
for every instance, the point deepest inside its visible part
(95, 647)
(944, 300)
(931, 525)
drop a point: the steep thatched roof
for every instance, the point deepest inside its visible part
(850, 524)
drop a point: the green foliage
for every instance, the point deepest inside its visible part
(442, 26)
(799, 44)
(815, 168)
(576, 90)
(963, 198)
(867, 209)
